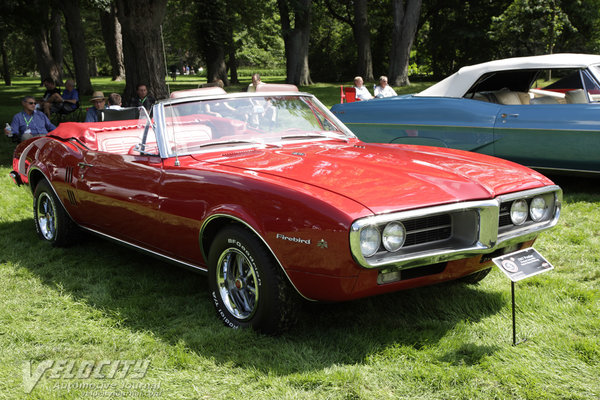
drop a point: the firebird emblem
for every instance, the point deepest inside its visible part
(322, 244)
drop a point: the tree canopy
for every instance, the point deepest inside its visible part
(312, 40)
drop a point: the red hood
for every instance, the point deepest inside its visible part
(387, 177)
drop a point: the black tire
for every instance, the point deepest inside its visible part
(52, 223)
(476, 277)
(248, 288)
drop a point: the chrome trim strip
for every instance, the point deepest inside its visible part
(152, 252)
(487, 238)
(214, 216)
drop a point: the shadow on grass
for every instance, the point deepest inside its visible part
(578, 187)
(146, 294)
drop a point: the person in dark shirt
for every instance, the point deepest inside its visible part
(51, 96)
(29, 122)
(142, 98)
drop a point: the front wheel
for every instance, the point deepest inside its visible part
(476, 277)
(247, 286)
(51, 220)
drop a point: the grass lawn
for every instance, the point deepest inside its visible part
(98, 302)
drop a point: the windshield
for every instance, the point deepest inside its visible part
(201, 125)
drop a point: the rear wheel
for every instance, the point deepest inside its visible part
(51, 220)
(247, 286)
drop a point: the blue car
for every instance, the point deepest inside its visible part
(540, 111)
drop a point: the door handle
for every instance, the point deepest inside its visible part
(509, 115)
(84, 165)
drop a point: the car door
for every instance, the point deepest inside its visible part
(549, 136)
(119, 193)
(457, 123)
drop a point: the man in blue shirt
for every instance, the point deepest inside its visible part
(29, 122)
(99, 101)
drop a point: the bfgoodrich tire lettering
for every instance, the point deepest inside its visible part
(51, 220)
(247, 287)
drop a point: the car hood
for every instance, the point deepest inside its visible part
(385, 178)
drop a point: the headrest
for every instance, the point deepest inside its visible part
(206, 91)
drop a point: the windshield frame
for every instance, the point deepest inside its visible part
(162, 131)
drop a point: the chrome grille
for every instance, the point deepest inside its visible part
(428, 229)
(504, 218)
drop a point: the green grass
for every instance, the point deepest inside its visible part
(98, 301)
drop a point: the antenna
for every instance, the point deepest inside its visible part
(162, 39)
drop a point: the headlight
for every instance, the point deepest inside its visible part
(370, 239)
(519, 212)
(538, 208)
(393, 236)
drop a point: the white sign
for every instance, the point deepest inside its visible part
(522, 264)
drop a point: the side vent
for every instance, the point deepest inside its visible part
(69, 175)
(72, 198)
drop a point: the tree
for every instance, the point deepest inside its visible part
(214, 36)
(111, 32)
(405, 17)
(448, 31)
(142, 46)
(296, 39)
(357, 18)
(75, 32)
(538, 25)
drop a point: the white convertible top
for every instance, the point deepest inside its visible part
(457, 84)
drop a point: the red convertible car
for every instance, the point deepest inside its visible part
(275, 199)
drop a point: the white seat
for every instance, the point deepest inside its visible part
(576, 96)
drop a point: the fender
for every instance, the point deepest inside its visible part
(214, 221)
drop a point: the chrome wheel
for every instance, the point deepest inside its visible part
(46, 216)
(237, 283)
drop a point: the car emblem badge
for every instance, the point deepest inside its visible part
(322, 244)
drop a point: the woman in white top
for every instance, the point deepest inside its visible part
(384, 90)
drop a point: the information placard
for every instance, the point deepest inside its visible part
(522, 264)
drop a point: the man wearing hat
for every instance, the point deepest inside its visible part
(98, 100)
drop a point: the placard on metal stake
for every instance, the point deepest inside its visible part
(518, 266)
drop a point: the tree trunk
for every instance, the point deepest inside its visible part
(70, 9)
(46, 64)
(113, 41)
(5, 63)
(296, 40)
(403, 34)
(213, 29)
(216, 67)
(362, 36)
(56, 40)
(142, 45)
(232, 65)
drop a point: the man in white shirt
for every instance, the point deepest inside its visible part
(384, 90)
(256, 82)
(362, 93)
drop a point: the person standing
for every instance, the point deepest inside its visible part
(29, 122)
(142, 98)
(384, 90)
(362, 93)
